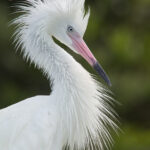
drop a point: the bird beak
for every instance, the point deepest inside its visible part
(80, 46)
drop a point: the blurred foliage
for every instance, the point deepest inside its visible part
(119, 35)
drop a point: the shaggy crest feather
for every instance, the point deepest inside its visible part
(88, 112)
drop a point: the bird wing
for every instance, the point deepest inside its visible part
(28, 125)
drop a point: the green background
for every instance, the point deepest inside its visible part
(119, 36)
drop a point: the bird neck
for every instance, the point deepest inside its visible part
(75, 93)
(73, 89)
(66, 74)
(57, 64)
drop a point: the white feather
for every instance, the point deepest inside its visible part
(77, 112)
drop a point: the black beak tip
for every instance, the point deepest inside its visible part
(102, 73)
(109, 84)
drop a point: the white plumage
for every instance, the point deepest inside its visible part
(77, 112)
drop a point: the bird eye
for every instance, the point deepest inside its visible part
(70, 29)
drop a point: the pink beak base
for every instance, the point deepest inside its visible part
(81, 47)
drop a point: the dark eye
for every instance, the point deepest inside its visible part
(70, 29)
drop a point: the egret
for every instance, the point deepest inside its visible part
(78, 112)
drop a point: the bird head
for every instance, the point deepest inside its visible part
(65, 20)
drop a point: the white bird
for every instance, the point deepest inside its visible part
(78, 112)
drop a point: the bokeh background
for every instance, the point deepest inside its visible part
(119, 36)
